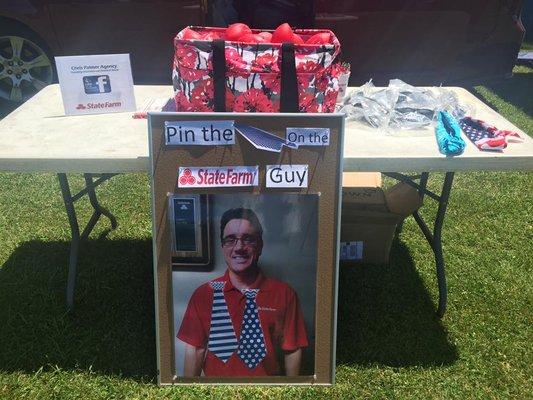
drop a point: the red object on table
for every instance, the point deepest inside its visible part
(253, 72)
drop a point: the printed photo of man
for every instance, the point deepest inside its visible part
(243, 323)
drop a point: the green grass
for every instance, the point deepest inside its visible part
(390, 343)
(526, 46)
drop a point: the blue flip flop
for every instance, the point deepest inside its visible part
(448, 134)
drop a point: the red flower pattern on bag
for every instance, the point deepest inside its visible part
(265, 63)
(322, 81)
(186, 56)
(190, 75)
(308, 66)
(235, 65)
(202, 96)
(183, 103)
(304, 81)
(330, 99)
(308, 103)
(272, 82)
(337, 69)
(253, 100)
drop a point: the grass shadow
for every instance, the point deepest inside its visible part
(387, 317)
(515, 90)
(111, 330)
(385, 314)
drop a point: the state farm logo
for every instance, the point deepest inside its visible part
(218, 176)
(187, 178)
(92, 106)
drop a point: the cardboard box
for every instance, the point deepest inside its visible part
(368, 224)
(403, 199)
(362, 191)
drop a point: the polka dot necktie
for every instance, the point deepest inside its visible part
(222, 339)
(252, 346)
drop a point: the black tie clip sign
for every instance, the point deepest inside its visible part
(263, 140)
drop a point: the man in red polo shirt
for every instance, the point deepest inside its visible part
(243, 323)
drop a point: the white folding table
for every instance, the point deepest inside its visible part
(38, 137)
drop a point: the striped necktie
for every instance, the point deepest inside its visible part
(252, 347)
(222, 339)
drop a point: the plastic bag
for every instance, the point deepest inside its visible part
(399, 106)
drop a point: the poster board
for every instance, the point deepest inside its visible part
(295, 246)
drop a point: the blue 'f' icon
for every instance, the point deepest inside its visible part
(97, 84)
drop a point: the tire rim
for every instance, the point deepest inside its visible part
(24, 68)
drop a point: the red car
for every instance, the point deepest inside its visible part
(420, 41)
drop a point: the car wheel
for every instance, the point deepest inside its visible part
(25, 67)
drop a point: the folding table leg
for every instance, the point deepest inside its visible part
(437, 242)
(434, 238)
(69, 200)
(94, 201)
(75, 243)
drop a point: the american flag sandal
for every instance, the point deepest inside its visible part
(481, 137)
(511, 136)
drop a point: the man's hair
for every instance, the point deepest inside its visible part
(240, 213)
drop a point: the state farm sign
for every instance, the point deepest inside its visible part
(189, 177)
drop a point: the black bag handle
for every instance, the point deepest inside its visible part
(219, 75)
(289, 81)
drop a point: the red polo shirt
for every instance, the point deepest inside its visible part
(279, 313)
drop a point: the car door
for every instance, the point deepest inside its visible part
(409, 39)
(143, 28)
(425, 41)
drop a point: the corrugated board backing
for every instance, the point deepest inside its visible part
(324, 178)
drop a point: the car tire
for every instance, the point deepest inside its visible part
(26, 64)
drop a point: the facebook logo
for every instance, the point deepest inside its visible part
(97, 84)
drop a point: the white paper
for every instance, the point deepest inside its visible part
(96, 84)
(287, 176)
(201, 177)
(307, 136)
(199, 133)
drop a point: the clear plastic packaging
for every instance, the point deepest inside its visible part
(399, 106)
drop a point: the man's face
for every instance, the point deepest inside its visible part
(241, 245)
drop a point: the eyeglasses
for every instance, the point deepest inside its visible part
(246, 240)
